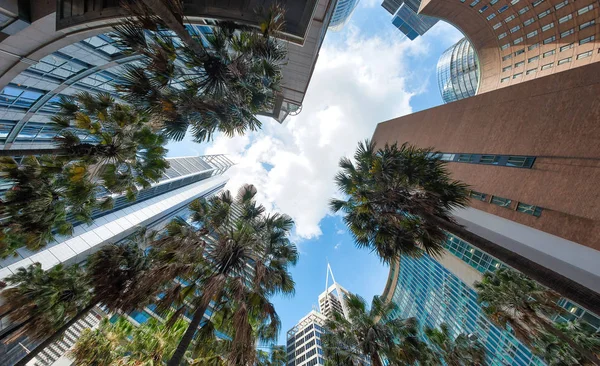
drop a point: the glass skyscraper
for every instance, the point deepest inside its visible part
(342, 13)
(406, 18)
(435, 293)
(458, 72)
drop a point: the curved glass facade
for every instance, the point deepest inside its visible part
(458, 72)
(341, 14)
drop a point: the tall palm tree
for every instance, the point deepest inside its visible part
(44, 191)
(231, 253)
(276, 356)
(62, 296)
(510, 298)
(219, 86)
(399, 200)
(367, 333)
(558, 353)
(459, 351)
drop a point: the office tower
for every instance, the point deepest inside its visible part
(58, 48)
(333, 299)
(530, 156)
(304, 346)
(407, 19)
(520, 40)
(342, 13)
(458, 72)
(186, 179)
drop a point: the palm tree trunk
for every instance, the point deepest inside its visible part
(26, 152)
(14, 329)
(54, 337)
(162, 11)
(188, 336)
(587, 354)
(564, 286)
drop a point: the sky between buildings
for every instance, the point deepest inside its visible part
(367, 73)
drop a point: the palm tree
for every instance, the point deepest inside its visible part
(459, 351)
(557, 353)
(366, 334)
(44, 192)
(277, 356)
(511, 299)
(219, 86)
(399, 201)
(62, 296)
(233, 254)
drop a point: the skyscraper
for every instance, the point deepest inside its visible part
(333, 299)
(407, 19)
(530, 156)
(304, 347)
(186, 179)
(458, 72)
(342, 13)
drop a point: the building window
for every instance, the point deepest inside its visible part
(510, 17)
(549, 53)
(497, 25)
(505, 46)
(566, 18)
(549, 39)
(502, 35)
(474, 3)
(520, 51)
(543, 14)
(466, 158)
(484, 8)
(515, 28)
(532, 34)
(502, 9)
(520, 161)
(499, 201)
(537, 2)
(524, 10)
(517, 75)
(547, 66)
(564, 61)
(514, 2)
(560, 5)
(585, 9)
(587, 24)
(534, 58)
(528, 21)
(529, 209)
(505, 69)
(533, 46)
(530, 71)
(493, 2)
(519, 64)
(586, 40)
(503, 80)
(518, 40)
(491, 16)
(584, 55)
(504, 58)
(478, 196)
(547, 26)
(489, 159)
(566, 47)
(567, 33)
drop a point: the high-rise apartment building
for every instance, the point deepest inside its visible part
(530, 156)
(342, 13)
(458, 72)
(333, 299)
(303, 341)
(407, 19)
(186, 179)
(50, 49)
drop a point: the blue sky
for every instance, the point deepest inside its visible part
(366, 73)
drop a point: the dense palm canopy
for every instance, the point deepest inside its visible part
(208, 87)
(368, 333)
(396, 197)
(558, 353)
(454, 351)
(276, 356)
(514, 301)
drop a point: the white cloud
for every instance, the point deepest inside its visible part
(338, 245)
(340, 232)
(357, 83)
